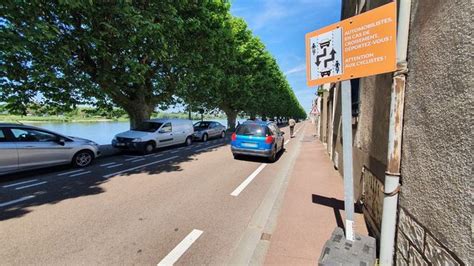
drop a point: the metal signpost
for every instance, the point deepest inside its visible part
(360, 46)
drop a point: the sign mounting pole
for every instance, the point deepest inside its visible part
(360, 46)
(347, 158)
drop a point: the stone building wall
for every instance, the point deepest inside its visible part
(436, 173)
(435, 208)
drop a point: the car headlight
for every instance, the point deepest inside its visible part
(137, 140)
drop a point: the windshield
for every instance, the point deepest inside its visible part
(252, 130)
(201, 125)
(148, 126)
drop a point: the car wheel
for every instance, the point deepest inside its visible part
(149, 147)
(222, 134)
(272, 158)
(82, 158)
(204, 138)
(236, 156)
(188, 141)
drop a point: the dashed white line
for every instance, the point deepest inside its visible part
(286, 142)
(175, 151)
(71, 172)
(16, 201)
(107, 164)
(113, 166)
(210, 147)
(133, 158)
(138, 167)
(247, 181)
(31, 185)
(138, 160)
(20, 183)
(83, 173)
(181, 248)
(158, 155)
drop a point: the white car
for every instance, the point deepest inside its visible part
(155, 133)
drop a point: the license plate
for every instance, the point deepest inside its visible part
(249, 145)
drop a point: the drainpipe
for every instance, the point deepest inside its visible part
(392, 175)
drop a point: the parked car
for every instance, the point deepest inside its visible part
(155, 133)
(257, 138)
(204, 130)
(25, 147)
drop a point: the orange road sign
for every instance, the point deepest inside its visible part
(360, 46)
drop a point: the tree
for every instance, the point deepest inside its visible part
(130, 53)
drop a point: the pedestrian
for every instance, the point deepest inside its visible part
(292, 124)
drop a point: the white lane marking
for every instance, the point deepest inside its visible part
(16, 201)
(138, 160)
(83, 173)
(115, 165)
(181, 248)
(20, 183)
(286, 142)
(210, 147)
(175, 151)
(71, 172)
(133, 158)
(107, 164)
(140, 166)
(31, 185)
(247, 181)
(158, 155)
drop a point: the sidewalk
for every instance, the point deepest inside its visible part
(313, 206)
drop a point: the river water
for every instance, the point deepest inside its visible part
(100, 132)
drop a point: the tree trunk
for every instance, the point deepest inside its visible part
(231, 118)
(189, 113)
(139, 113)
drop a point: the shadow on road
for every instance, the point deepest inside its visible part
(64, 187)
(260, 159)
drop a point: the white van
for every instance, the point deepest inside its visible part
(155, 133)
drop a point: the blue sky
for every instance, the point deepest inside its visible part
(282, 25)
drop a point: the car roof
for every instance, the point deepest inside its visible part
(29, 127)
(164, 120)
(208, 121)
(261, 123)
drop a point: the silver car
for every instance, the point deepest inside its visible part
(204, 130)
(26, 147)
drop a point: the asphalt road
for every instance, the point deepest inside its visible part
(184, 205)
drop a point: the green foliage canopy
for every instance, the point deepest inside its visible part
(138, 55)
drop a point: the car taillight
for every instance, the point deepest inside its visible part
(269, 140)
(234, 136)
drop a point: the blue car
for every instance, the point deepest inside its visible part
(254, 138)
